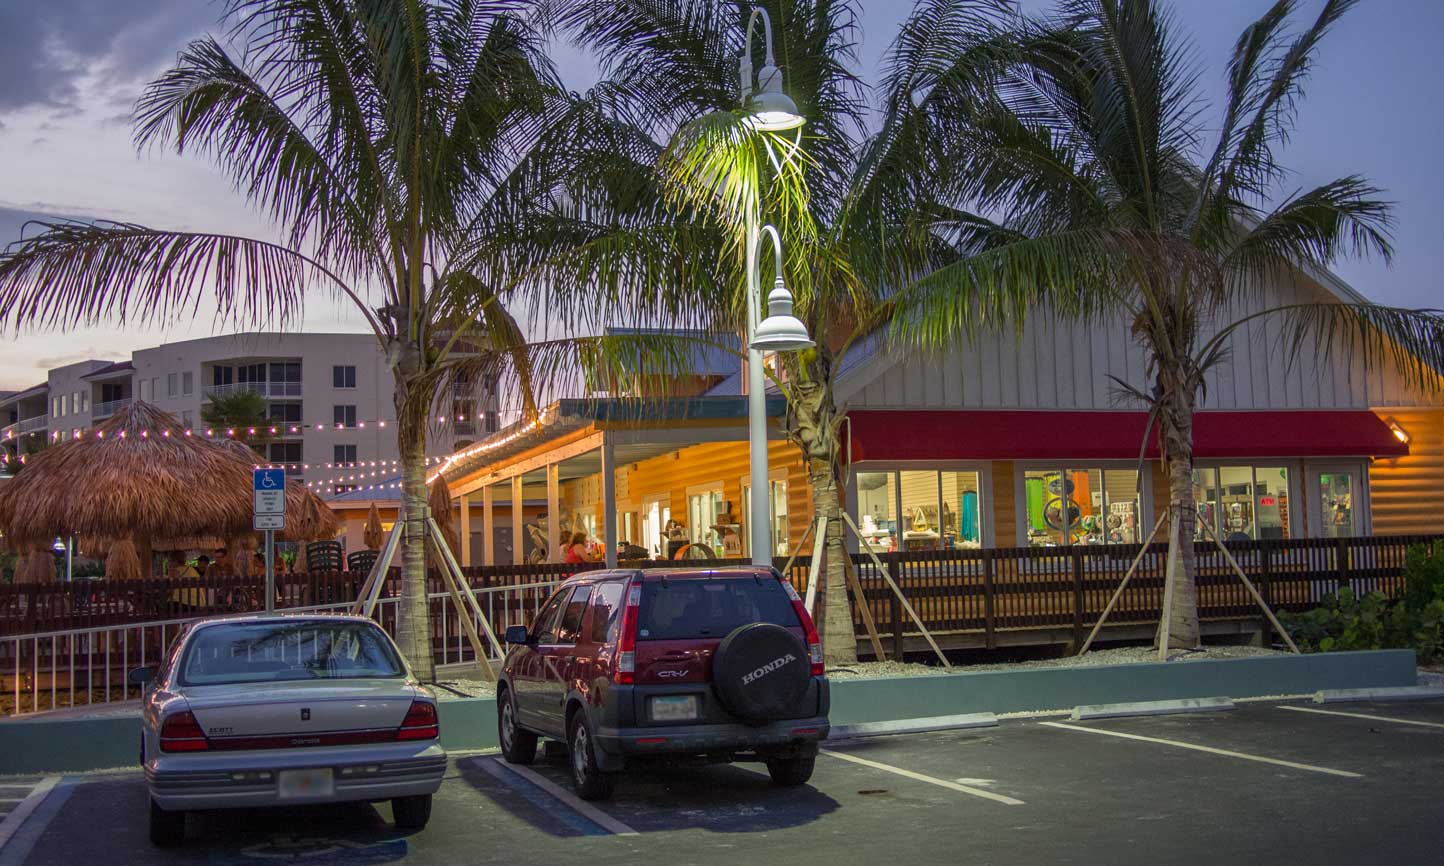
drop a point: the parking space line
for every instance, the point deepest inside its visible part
(18, 815)
(1209, 749)
(570, 800)
(1390, 719)
(919, 777)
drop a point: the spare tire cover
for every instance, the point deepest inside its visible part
(761, 672)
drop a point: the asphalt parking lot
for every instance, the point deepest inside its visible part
(1277, 783)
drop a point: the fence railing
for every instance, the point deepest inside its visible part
(71, 644)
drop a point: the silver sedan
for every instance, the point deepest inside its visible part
(286, 710)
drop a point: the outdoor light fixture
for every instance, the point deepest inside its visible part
(1399, 432)
(770, 110)
(781, 331)
(58, 546)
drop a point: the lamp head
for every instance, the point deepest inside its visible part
(58, 546)
(781, 331)
(771, 110)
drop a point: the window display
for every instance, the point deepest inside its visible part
(920, 509)
(1081, 506)
(777, 510)
(1336, 506)
(1242, 502)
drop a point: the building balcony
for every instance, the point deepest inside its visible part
(30, 425)
(108, 408)
(265, 389)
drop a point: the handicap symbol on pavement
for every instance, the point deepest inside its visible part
(313, 851)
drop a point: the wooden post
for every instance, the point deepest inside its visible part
(1265, 591)
(895, 610)
(554, 514)
(864, 610)
(1076, 553)
(609, 500)
(814, 568)
(1170, 574)
(488, 526)
(990, 637)
(897, 590)
(1268, 612)
(1341, 562)
(465, 501)
(518, 527)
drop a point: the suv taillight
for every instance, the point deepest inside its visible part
(809, 630)
(420, 722)
(180, 732)
(625, 672)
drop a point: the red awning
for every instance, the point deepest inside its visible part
(1025, 435)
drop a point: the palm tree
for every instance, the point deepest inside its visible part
(241, 411)
(853, 207)
(397, 147)
(1083, 184)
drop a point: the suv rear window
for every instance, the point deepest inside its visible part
(710, 608)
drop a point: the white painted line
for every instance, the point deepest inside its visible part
(570, 800)
(18, 815)
(1151, 708)
(931, 780)
(1401, 693)
(1209, 749)
(1390, 719)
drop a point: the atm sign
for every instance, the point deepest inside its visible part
(1267, 501)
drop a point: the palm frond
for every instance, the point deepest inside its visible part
(1318, 226)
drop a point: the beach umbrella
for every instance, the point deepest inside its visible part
(373, 535)
(122, 562)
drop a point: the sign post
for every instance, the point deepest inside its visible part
(270, 515)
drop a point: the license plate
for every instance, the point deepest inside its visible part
(295, 784)
(674, 708)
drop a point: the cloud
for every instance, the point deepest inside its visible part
(89, 353)
(51, 47)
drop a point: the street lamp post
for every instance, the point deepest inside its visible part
(68, 547)
(770, 111)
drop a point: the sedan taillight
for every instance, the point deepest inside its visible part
(182, 733)
(420, 723)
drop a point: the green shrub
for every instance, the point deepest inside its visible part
(1416, 620)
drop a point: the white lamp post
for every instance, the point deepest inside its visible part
(66, 547)
(781, 331)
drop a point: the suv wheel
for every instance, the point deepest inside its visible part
(166, 828)
(517, 746)
(791, 772)
(591, 783)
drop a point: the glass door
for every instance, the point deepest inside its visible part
(1337, 500)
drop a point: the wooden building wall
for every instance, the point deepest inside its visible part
(1407, 493)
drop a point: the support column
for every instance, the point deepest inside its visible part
(554, 512)
(488, 527)
(465, 530)
(609, 499)
(518, 531)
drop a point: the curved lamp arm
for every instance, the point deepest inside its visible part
(746, 65)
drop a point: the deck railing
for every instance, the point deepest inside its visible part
(69, 644)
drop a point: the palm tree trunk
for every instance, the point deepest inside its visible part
(413, 629)
(814, 428)
(1175, 434)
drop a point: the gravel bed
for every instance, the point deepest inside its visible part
(1121, 656)
(446, 689)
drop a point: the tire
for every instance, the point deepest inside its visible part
(591, 783)
(761, 672)
(791, 772)
(518, 746)
(411, 813)
(166, 828)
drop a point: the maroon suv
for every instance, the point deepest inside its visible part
(717, 665)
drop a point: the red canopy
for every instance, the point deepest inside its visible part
(1028, 435)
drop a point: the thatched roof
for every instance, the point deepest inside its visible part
(139, 476)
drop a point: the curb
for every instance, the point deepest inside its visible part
(913, 726)
(1151, 708)
(1404, 693)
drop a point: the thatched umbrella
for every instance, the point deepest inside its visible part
(122, 562)
(439, 500)
(38, 566)
(373, 534)
(140, 476)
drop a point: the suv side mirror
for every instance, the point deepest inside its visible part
(517, 635)
(141, 676)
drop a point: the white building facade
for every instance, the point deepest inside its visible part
(329, 399)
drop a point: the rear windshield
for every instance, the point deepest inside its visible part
(703, 608)
(270, 651)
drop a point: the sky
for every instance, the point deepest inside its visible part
(70, 71)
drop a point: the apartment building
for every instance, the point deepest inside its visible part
(328, 399)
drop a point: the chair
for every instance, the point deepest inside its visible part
(361, 561)
(323, 556)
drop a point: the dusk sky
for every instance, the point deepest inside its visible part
(71, 69)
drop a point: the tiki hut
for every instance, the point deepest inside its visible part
(139, 477)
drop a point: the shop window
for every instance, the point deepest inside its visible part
(1242, 503)
(920, 509)
(1081, 506)
(1336, 505)
(703, 510)
(776, 512)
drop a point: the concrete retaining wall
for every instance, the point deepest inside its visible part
(50, 745)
